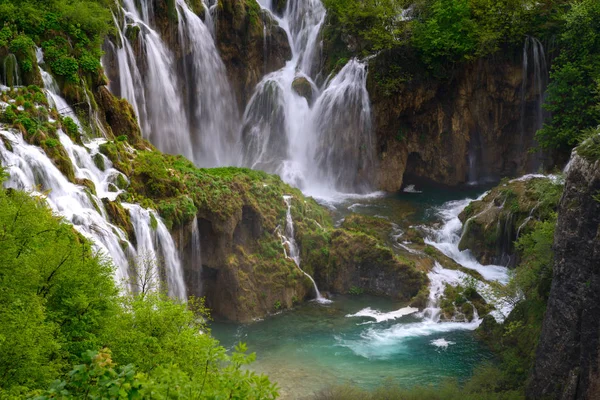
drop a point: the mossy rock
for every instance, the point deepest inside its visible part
(120, 217)
(303, 88)
(492, 224)
(7, 143)
(87, 183)
(99, 161)
(358, 260)
(60, 159)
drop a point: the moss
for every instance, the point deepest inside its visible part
(88, 184)
(121, 182)
(60, 159)
(99, 161)
(119, 217)
(7, 143)
(376, 227)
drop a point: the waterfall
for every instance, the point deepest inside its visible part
(447, 238)
(11, 75)
(325, 147)
(154, 244)
(294, 253)
(182, 97)
(196, 259)
(30, 169)
(52, 92)
(539, 82)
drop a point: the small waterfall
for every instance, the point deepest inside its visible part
(324, 148)
(294, 253)
(538, 84)
(11, 75)
(196, 260)
(195, 114)
(29, 169)
(52, 92)
(447, 238)
(154, 242)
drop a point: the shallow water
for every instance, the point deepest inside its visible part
(315, 346)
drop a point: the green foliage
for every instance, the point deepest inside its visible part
(572, 96)
(71, 33)
(60, 306)
(356, 291)
(55, 293)
(515, 341)
(448, 33)
(70, 127)
(67, 67)
(590, 145)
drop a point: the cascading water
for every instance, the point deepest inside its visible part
(154, 244)
(447, 238)
(52, 91)
(319, 149)
(183, 101)
(288, 240)
(30, 169)
(538, 83)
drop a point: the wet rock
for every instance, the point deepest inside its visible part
(491, 225)
(251, 45)
(303, 88)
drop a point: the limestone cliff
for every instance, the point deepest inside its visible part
(567, 364)
(474, 125)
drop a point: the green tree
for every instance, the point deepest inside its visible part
(572, 96)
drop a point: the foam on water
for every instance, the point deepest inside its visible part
(442, 343)
(379, 316)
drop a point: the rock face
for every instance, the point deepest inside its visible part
(466, 127)
(230, 270)
(567, 364)
(492, 224)
(251, 45)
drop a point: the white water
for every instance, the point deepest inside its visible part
(288, 240)
(327, 148)
(158, 246)
(185, 105)
(447, 238)
(441, 343)
(380, 341)
(31, 170)
(379, 316)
